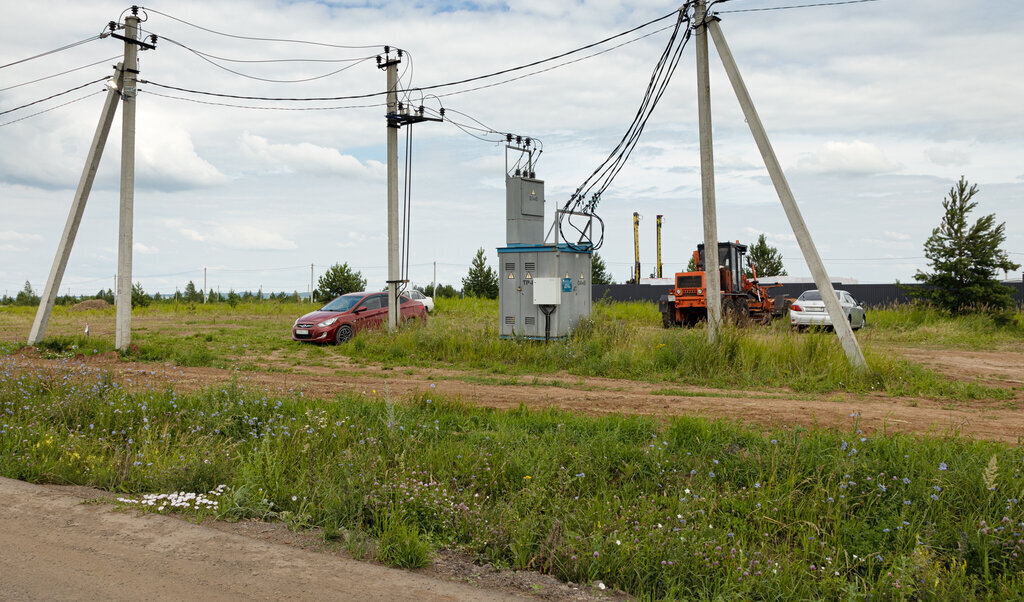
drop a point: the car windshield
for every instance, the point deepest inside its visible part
(342, 303)
(814, 296)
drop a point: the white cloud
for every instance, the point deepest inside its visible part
(847, 158)
(240, 236)
(166, 159)
(146, 250)
(897, 235)
(947, 156)
(308, 158)
(19, 236)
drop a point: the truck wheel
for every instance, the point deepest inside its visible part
(667, 320)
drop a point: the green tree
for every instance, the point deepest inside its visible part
(691, 266)
(599, 271)
(445, 290)
(482, 280)
(191, 294)
(765, 259)
(232, 298)
(27, 296)
(139, 296)
(965, 258)
(338, 280)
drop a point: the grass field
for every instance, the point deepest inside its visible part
(622, 340)
(684, 508)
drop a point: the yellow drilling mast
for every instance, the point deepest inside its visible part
(659, 246)
(636, 247)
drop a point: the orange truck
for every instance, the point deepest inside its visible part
(743, 299)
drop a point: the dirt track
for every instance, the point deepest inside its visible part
(996, 420)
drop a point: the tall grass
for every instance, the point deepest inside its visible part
(920, 323)
(627, 341)
(682, 508)
(620, 340)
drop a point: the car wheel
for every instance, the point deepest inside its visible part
(344, 334)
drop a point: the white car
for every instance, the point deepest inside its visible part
(427, 302)
(809, 310)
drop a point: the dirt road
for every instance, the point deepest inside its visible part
(57, 544)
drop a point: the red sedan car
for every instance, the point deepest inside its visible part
(341, 319)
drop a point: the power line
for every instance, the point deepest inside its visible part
(35, 102)
(257, 108)
(546, 69)
(59, 74)
(55, 50)
(422, 88)
(253, 38)
(753, 10)
(578, 205)
(204, 57)
(90, 95)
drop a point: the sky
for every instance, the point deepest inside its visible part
(875, 110)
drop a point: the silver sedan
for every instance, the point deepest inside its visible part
(809, 310)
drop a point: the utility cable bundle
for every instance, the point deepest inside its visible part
(583, 203)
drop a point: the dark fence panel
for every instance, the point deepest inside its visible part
(867, 294)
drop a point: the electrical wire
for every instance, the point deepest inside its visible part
(579, 205)
(252, 38)
(422, 88)
(553, 67)
(55, 50)
(258, 108)
(407, 205)
(116, 56)
(90, 95)
(202, 56)
(754, 10)
(35, 102)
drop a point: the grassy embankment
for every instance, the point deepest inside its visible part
(685, 508)
(620, 341)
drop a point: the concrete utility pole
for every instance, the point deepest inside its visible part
(310, 283)
(796, 220)
(206, 293)
(391, 66)
(67, 239)
(123, 329)
(713, 292)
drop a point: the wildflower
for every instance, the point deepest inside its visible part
(596, 554)
(295, 498)
(942, 466)
(618, 543)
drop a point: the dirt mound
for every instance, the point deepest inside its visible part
(90, 304)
